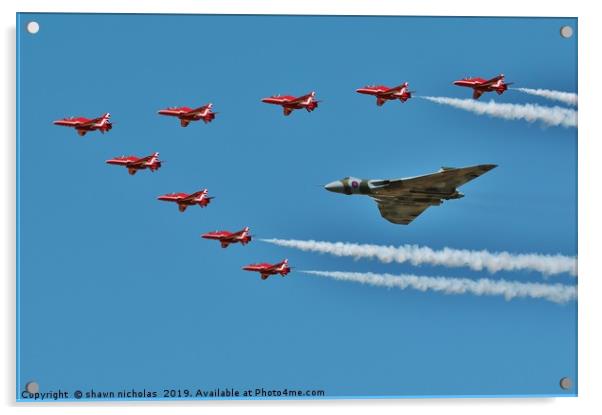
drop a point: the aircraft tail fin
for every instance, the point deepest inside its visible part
(402, 86)
(105, 119)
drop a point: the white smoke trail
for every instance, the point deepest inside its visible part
(551, 116)
(557, 293)
(568, 98)
(448, 257)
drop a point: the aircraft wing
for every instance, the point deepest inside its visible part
(190, 197)
(301, 100)
(140, 161)
(399, 210)
(227, 238)
(231, 238)
(394, 90)
(233, 235)
(89, 123)
(492, 81)
(272, 268)
(198, 110)
(441, 183)
(476, 94)
(297, 100)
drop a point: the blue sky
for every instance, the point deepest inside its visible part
(118, 290)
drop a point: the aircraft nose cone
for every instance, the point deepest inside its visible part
(336, 186)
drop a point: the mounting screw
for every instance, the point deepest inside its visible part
(33, 27)
(32, 387)
(566, 32)
(566, 383)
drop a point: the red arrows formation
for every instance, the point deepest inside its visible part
(289, 103)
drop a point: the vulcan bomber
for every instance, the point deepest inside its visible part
(400, 201)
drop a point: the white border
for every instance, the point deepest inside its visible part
(590, 137)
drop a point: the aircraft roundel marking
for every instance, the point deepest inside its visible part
(354, 184)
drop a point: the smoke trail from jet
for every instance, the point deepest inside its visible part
(448, 257)
(550, 116)
(568, 98)
(557, 293)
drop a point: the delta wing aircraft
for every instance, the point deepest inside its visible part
(400, 201)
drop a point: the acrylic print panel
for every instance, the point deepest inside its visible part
(418, 174)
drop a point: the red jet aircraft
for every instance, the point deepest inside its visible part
(184, 199)
(480, 85)
(134, 163)
(267, 270)
(82, 125)
(226, 238)
(186, 114)
(384, 93)
(290, 103)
